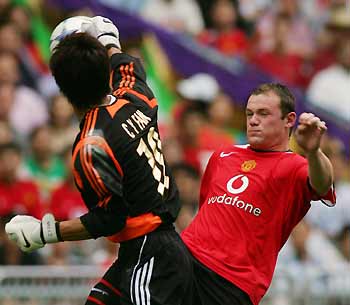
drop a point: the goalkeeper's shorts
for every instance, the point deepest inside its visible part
(152, 269)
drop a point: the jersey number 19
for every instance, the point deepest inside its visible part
(153, 152)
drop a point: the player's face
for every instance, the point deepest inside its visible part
(266, 129)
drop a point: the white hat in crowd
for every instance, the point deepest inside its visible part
(199, 86)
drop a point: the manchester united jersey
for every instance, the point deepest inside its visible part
(249, 203)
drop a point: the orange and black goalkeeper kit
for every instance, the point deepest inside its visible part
(118, 163)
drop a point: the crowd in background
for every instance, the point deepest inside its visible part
(302, 43)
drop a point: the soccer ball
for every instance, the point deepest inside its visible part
(76, 24)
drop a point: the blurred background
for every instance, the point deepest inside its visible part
(202, 58)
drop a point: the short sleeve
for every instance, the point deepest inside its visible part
(206, 178)
(310, 194)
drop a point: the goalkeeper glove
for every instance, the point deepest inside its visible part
(105, 31)
(30, 233)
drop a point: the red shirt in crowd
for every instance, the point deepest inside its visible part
(209, 140)
(66, 202)
(20, 197)
(286, 67)
(230, 43)
(249, 203)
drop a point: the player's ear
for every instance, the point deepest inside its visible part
(291, 119)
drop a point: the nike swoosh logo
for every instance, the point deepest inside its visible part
(27, 243)
(222, 155)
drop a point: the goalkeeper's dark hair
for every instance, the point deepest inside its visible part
(80, 66)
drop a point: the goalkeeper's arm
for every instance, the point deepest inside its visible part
(98, 222)
(73, 230)
(30, 233)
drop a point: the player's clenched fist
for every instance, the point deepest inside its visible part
(309, 132)
(310, 120)
(30, 233)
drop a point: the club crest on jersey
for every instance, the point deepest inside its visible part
(248, 165)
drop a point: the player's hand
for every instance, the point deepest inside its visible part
(309, 132)
(30, 233)
(105, 31)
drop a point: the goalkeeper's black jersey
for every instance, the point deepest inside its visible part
(118, 163)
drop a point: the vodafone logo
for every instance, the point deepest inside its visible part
(236, 185)
(243, 186)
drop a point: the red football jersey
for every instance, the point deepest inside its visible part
(66, 202)
(249, 203)
(20, 197)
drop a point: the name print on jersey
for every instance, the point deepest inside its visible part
(137, 122)
(235, 201)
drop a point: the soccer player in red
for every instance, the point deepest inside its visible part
(120, 171)
(252, 196)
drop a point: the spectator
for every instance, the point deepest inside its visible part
(299, 37)
(188, 129)
(7, 135)
(311, 246)
(18, 100)
(195, 133)
(344, 242)
(7, 130)
(9, 68)
(63, 128)
(282, 63)
(329, 89)
(43, 165)
(16, 196)
(336, 29)
(224, 34)
(21, 17)
(188, 181)
(221, 112)
(199, 89)
(308, 252)
(65, 201)
(11, 40)
(252, 9)
(4, 4)
(332, 221)
(31, 53)
(223, 117)
(172, 150)
(176, 15)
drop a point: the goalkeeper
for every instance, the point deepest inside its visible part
(121, 173)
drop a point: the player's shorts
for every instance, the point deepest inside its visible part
(152, 269)
(212, 289)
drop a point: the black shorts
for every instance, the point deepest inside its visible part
(152, 269)
(212, 289)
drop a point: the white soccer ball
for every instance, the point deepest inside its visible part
(76, 24)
